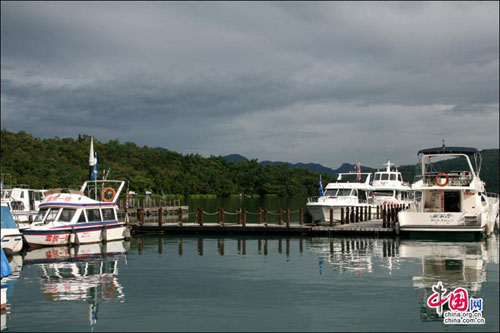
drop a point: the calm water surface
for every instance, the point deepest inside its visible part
(248, 284)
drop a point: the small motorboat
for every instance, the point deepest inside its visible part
(69, 217)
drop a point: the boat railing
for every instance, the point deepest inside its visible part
(313, 199)
(455, 178)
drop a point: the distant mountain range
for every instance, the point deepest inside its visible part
(314, 167)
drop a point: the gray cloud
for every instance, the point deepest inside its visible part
(314, 82)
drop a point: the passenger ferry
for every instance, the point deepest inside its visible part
(350, 190)
(389, 188)
(452, 200)
(78, 217)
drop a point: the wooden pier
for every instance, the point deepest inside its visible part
(354, 221)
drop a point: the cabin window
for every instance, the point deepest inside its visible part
(362, 196)
(343, 192)
(108, 214)
(354, 193)
(393, 176)
(93, 215)
(400, 178)
(38, 196)
(82, 218)
(377, 176)
(51, 216)
(22, 195)
(385, 176)
(382, 193)
(41, 214)
(66, 215)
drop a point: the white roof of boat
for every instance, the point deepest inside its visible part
(360, 186)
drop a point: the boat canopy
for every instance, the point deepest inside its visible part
(7, 219)
(448, 150)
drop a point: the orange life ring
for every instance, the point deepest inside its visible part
(441, 174)
(106, 189)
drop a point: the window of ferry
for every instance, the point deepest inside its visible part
(93, 215)
(22, 194)
(82, 219)
(400, 178)
(382, 193)
(41, 214)
(343, 192)
(66, 215)
(385, 176)
(108, 214)
(51, 216)
(377, 176)
(393, 176)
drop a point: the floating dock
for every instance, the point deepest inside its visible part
(354, 221)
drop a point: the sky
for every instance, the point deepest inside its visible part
(321, 82)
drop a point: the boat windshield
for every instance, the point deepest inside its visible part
(386, 193)
(51, 215)
(341, 192)
(41, 214)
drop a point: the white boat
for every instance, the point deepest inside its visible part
(12, 239)
(71, 217)
(389, 188)
(23, 202)
(350, 190)
(452, 201)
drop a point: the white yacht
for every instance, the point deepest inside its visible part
(452, 200)
(12, 239)
(23, 202)
(350, 190)
(71, 217)
(389, 188)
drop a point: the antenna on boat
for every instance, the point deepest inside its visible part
(444, 147)
(388, 164)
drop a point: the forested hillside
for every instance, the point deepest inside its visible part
(63, 162)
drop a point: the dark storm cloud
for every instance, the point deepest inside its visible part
(268, 80)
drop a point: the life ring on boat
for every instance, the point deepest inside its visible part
(439, 175)
(106, 190)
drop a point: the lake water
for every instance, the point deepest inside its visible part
(170, 283)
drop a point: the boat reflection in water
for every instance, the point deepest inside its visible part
(84, 273)
(455, 264)
(16, 264)
(356, 255)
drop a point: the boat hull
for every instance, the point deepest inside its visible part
(321, 212)
(12, 242)
(81, 234)
(440, 222)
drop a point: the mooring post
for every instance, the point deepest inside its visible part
(370, 213)
(259, 221)
(200, 217)
(266, 217)
(180, 216)
(239, 215)
(244, 220)
(357, 214)
(288, 217)
(331, 216)
(280, 217)
(160, 216)
(301, 216)
(222, 216)
(141, 216)
(341, 215)
(347, 215)
(378, 214)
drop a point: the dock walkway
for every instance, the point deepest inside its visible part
(373, 227)
(353, 221)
